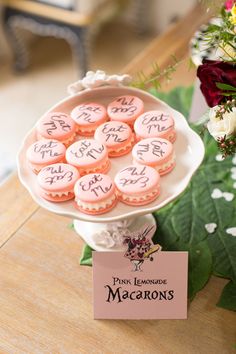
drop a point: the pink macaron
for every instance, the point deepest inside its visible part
(56, 125)
(155, 152)
(125, 109)
(56, 182)
(155, 124)
(88, 116)
(137, 185)
(88, 156)
(116, 136)
(95, 194)
(45, 152)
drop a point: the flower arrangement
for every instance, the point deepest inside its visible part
(218, 79)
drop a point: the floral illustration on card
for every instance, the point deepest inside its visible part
(140, 246)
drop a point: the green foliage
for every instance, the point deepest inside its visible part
(71, 226)
(86, 258)
(222, 36)
(154, 79)
(227, 87)
(179, 98)
(228, 297)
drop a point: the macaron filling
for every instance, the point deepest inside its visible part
(137, 199)
(88, 131)
(59, 194)
(103, 168)
(172, 137)
(96, 206)
(122, 151)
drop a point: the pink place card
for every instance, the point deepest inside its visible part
(154, 288)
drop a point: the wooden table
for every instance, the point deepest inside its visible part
(46, 297)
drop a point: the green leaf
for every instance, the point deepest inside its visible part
(213, 28)
(200, 262)
(228, 297)
(86, 258)
(226, 87)
(71, 226)
(232, 93)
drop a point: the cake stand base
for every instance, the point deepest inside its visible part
(109, 236)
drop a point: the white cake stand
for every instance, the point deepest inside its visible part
(104, 232)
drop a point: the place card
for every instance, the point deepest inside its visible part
(152, 286)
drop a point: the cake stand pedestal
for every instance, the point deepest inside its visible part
(109, 236)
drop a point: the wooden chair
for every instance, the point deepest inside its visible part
(47, 20)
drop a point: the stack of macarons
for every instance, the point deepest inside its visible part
(73, 153)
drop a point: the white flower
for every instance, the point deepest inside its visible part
(220, 127)
(96, 79)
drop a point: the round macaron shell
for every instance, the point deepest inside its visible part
(56, 125)
(86, 153)
(89, 115)
(152, 151)
(114, 135)
(125, 109)
(94, 188)
(59, 177)
(45, 152)
(137, 180)
(154, 124)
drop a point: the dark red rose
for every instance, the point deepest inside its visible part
(211, 72)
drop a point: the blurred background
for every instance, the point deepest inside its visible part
(46, 45)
